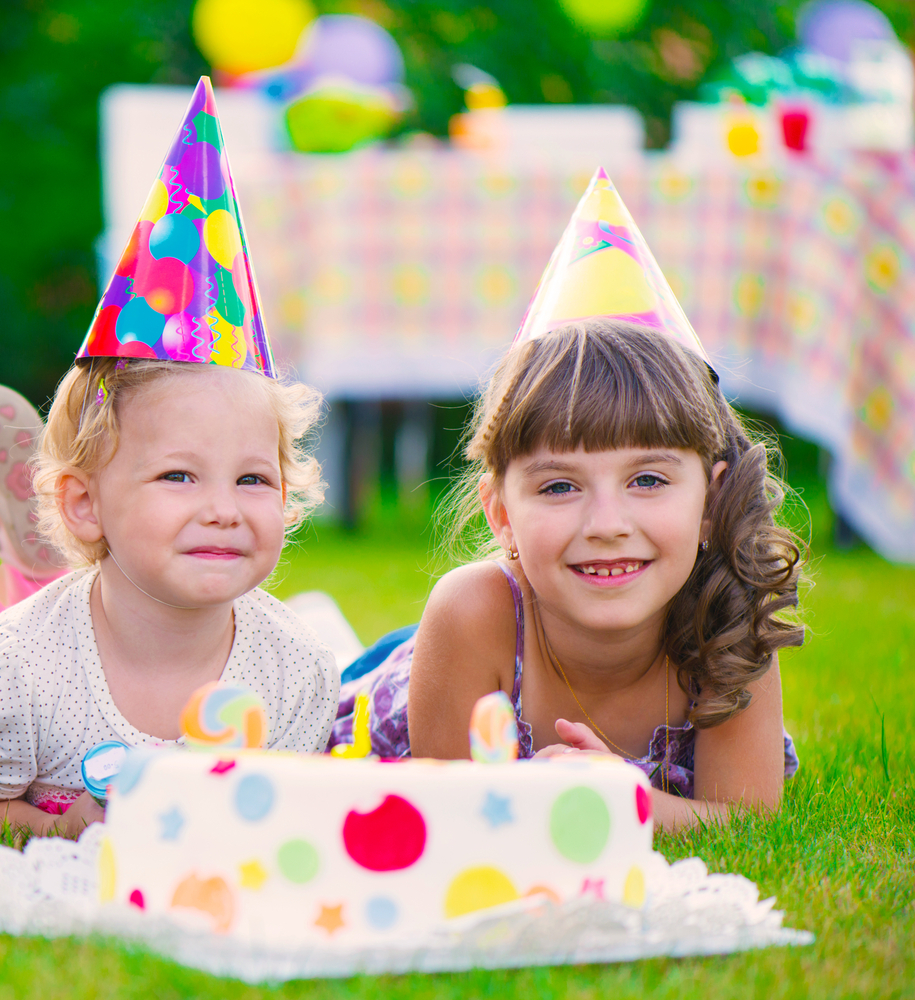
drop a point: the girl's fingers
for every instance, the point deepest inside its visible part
(554, 750)
(579, 736)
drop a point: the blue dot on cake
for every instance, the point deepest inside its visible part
(381, 913)
(254, 797)
(172, 822)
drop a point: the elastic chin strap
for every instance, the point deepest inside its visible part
(179, 607)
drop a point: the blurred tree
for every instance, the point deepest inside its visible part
(55, 60)
(57, 56)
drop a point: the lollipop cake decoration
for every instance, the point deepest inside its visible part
(224, 715)
(493, 730)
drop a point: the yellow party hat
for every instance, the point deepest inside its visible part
(602, 267)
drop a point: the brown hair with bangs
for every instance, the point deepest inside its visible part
(602, 384)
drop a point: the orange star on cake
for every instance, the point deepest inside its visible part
(331, 919)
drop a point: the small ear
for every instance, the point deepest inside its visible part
(714, 485)
(77, 508)
(494, 509)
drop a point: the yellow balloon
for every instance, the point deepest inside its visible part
(229, 346)
(221, 236)
(743, 139)
(156, 204)
(605, 17)
(605, 283)
(241, 36)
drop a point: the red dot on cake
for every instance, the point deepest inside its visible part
(136, 899)
(642, 804)
(389, 838)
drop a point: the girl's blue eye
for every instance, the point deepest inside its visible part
(556, 489)
(176, 477)
(251, 480)
(648, 481)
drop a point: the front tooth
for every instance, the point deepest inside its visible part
(616, 571)
(603, 571)
(630, 569)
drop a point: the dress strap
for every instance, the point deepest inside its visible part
(525, 740)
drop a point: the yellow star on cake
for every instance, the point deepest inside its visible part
(253, 875)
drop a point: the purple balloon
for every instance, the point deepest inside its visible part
(204, 296)
(119, 291)
(200, 171)
(831, 27)
(354, 47)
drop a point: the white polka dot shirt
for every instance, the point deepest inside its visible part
(55, 704)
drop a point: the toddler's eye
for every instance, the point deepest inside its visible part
(649, 481)
(251, 480)
(176, 477)
(556, 489)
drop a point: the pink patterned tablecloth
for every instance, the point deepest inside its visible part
(405, 273)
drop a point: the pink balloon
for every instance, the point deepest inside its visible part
(178, 338)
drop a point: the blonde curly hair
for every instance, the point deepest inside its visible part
(83, 430)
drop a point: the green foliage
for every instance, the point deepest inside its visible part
(55, 60)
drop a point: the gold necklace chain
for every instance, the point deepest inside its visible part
(600, 731)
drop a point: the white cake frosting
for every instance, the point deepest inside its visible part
(288, 849)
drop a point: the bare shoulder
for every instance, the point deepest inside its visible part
(475, 597)
(464, 649)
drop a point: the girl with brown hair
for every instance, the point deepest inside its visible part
(639, 600)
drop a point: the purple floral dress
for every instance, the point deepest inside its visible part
(670, 752)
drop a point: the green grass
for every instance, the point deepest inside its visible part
(839, 855)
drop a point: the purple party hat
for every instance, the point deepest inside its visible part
(184, 288)
(602, 267)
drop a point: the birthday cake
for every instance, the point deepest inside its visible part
(291, 850)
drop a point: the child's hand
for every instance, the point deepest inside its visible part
(85, 810)
(577, 738)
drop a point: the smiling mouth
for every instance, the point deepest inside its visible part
(621, 567)
(210, 552)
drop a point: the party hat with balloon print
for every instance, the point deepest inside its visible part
(184, 288)
(603, 267)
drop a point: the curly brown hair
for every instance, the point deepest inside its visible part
(84, 424)
(603, 384)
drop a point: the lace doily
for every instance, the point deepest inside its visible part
(50, 890)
